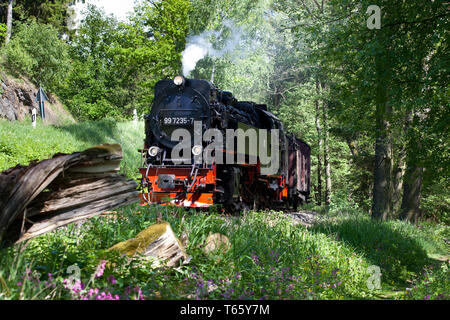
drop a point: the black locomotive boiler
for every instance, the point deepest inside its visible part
(196, 107)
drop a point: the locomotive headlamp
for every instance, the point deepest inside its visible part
(178, 80)
(197, 150)
(153, 151)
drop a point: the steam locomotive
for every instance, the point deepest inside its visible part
(204, 147)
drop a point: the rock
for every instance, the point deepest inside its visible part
(157, 242)
(306, 218)
(217, 242)
(17, 99)
(6, 111)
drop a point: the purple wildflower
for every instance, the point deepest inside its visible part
(100, 269)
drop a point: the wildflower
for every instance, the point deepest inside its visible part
(112, 279)
(100, 269)
(19, 284)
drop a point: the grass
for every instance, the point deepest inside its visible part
(20, 143)
(270, 257)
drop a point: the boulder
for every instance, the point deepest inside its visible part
(157, 242)
(17, 100)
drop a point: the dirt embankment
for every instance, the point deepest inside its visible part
(18, 98)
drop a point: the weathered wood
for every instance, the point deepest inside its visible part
(72, 215)
(216, 242)
(79, 195)
(158, 242)
(67, 188)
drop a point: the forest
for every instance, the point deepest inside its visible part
(364, 82)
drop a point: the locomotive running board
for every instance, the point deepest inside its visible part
(200, 200)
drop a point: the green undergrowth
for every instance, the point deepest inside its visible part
(20, 143)
(269, 258)
(399, 248)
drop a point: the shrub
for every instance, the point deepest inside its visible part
(2, 31)
(36, 52)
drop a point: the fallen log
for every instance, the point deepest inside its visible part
(52, 193)
(158, 243)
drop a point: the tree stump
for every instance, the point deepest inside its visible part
(216, 242)
(157, 242)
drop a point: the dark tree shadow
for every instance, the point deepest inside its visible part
(92, 132)
(396, 253)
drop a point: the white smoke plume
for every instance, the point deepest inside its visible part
(200, 46)
(197, 48)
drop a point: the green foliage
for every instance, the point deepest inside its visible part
(2, 31)
(54, 12)
(244, 68)
(402, 60)
(435, 203)
(116, 65)
(36, 51)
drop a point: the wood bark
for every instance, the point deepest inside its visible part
(326, 151)
(69, 187)
(9, 21)
(397, 183)
(319, 149)
(383, 147)
(381, 183)
(412, 182)
(412, 187)
(158, 242)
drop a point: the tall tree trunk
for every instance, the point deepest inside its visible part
(397, 183)
(383, 147)
(381, 179)
(398, 171)
(319, 142)
(9, 21)
(412, 187)
(412, 182)
(326, 151)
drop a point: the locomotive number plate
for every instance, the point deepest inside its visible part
(177, 120)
